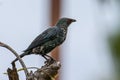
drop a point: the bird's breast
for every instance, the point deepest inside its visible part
(50, 45)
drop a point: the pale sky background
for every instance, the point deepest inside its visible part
(85, 54)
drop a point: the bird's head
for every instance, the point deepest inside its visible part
(65, 22)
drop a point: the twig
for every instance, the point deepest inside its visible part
(46, 72)
(16, 54)
(27, 68)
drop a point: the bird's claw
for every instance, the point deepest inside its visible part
(50, 61)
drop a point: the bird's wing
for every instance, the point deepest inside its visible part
(47, 35)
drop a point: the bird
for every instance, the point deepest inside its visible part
(49, 39)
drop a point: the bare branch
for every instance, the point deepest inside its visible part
(46, 72)
(16, 54)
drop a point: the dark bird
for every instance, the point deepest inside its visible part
(49, 39)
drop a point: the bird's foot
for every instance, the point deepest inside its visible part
(50, 61)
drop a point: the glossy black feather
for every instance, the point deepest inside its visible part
(46, 36)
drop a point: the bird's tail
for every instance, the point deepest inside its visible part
(22, 55)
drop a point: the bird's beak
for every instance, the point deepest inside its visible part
(73, 20)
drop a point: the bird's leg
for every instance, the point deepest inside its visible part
(45, 57)
(50, 60)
